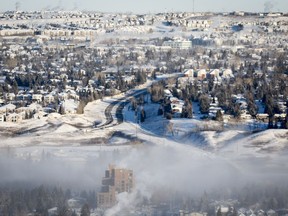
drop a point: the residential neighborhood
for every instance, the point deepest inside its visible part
(61, 65)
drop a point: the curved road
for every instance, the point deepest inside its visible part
(120, 103)
(123, 102)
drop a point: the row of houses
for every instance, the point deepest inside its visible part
(192, 23)
(191, 75)
(213, 73)
(9, 112)
(44, 97)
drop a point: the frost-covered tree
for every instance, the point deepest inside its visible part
(204, 103)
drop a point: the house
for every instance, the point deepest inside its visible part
(14, 117)
(2, 117)
(198, 214)
(73, 95)
(239, 13)
(40, 115)
(7, 108)
(245, 115)
(222, 210)
(167, 93)
(214, 101)
(63, 96)
(48, 98)
(70, 106)
(10, 96)
(262, 116)
(227, 74)
(188, 73)
(34, 107)
(110, 72)
(22, 110)
(176, 110)
(201, 74)
(52, 211)
(241, 100)
(213, 111)
(2, 80)
(261, 212)
(214, 73)
(37, 97)
(274, 14)
(183, 81)
(128, 79)
(176, 106)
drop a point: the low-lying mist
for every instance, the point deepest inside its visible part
(176, 168)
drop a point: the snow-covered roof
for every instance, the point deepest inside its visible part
(7, 107)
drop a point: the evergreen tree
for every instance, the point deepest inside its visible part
(85, 210)
(160, 110)
(270, 123)
(285, 122)
(154, 76)
(15, 87)
(187, 111)
(134, 104)
(143, 115)
(157, 92)
(140, 77)
(80, 107)
(204, 104)
(219, 212)
(61, 109)
(252, 109)
(235, 110)
(167, 107)
(219, 116)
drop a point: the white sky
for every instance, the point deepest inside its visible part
(144, 6)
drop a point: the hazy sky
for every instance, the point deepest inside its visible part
(144, 6)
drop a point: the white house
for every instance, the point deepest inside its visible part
(214, 73)
(40, 115)
(34, 107)
(70, 106)
(49, 98)
(14, 117)
(37, 97)
(188, 73)
(228, 73)
(10, 96)
(201, 74)
(2, 117)
(7, 108)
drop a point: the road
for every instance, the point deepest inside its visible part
(120, 103)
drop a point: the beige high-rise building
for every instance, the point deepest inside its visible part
(116, 181)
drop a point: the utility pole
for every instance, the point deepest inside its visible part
(17, 6)
(193, 6)
(136, 122)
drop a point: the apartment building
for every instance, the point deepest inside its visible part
(116, 180)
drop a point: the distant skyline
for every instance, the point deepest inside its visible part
(148, 6)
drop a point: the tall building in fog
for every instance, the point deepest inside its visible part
(116, 181)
